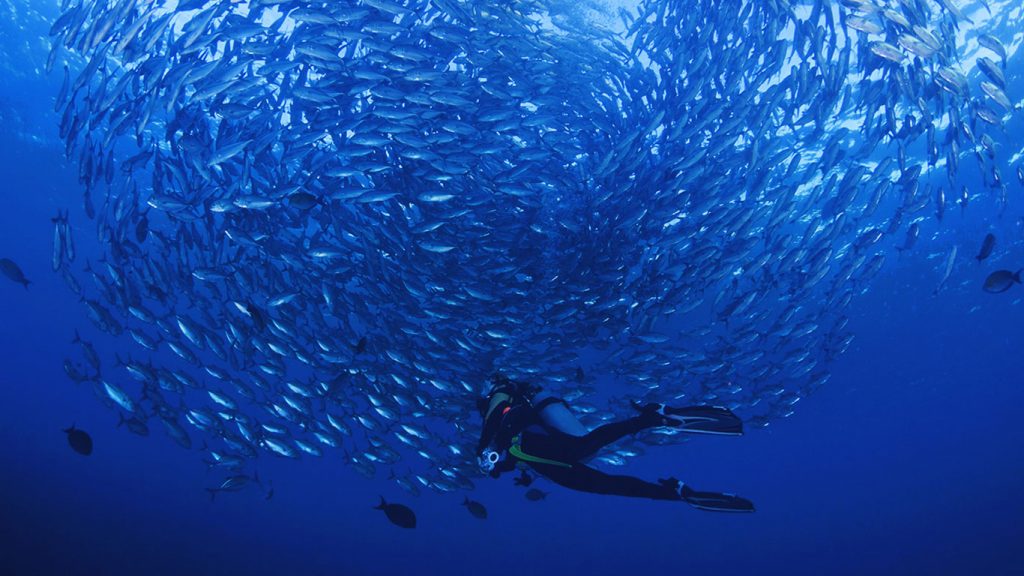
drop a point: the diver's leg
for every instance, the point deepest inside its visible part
(583, 447)
(705, 419)
(586, 479)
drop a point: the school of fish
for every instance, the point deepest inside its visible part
(327, 224)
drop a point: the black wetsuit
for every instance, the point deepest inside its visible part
(559, 456)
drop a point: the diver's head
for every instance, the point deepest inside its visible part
(504, 390)
(487, 406)
(500, 380)
(500, 385)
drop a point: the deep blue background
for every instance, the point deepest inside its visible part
(909, 461)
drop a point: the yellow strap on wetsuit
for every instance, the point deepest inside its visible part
(516, 451)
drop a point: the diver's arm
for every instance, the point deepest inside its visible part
(505, 465)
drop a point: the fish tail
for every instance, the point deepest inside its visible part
(213, 493)
(1016, 276)
(465, 500)
(120, 419)
(382, 504)
(77, 337)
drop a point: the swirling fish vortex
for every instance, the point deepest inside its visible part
(328, 223)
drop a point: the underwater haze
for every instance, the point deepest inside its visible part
(260, 260)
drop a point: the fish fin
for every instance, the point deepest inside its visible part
(382, 504)
(70, 430)
(77, 337)
(1017, 275)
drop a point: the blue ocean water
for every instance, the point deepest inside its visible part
(907, 461)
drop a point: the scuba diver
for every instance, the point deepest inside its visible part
(545, 436)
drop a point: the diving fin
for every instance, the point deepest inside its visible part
(706, 420)
(715, 501)
(695, 419)
(712, 501)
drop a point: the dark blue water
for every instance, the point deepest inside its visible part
(910, 460)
